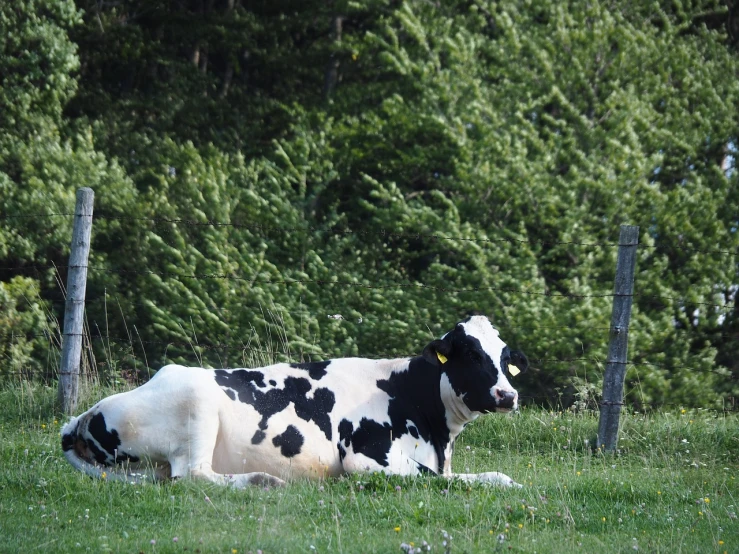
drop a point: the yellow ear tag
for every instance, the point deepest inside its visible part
(513, 370)
(441, 357)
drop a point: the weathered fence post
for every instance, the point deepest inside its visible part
(69, 371)
(613, 380)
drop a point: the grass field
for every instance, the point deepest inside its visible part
(674, 487)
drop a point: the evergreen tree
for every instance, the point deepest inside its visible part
(261, 168)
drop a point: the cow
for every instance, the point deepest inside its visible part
(264, 426)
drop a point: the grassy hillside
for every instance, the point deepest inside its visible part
(673, 488)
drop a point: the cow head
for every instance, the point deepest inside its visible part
(477, 364)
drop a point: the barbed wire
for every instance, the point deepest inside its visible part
(382, 232)
(31, 266)
(328, 282)
(35, 216)
(417, 236)
(256, 281)
(115, 306)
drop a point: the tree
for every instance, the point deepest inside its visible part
(260, 167)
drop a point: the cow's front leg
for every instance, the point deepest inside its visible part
(395, 459)
(238, 480)
(489, 477)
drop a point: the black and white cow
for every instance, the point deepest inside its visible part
(262, 426)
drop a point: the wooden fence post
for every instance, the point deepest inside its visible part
(613, 380)
(74, 308)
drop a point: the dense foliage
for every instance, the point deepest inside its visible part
(258, 168)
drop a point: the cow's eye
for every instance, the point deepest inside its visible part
(475, 356)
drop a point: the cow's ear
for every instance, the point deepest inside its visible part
(519, 361)
(437, 352)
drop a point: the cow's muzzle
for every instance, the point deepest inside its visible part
(505, 400)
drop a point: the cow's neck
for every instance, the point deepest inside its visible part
(457, 413)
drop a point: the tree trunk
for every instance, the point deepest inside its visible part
(332, 68)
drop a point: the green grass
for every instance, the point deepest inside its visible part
(674, 487)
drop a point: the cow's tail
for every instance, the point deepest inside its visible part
(78, 453)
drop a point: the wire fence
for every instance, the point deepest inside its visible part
(137, 345)
(323, 282)
(661, 243)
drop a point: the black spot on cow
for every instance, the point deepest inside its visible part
(316, 370)
(100, 456)
(231, 394)
(108, 440)
(247, 385)
(273, 382)
(69, 438)
(258, 437)
(414, 396)
(224, 377)
(289, 442)
(424, 469)
(345, 431)
(123, 457)
(373, 440)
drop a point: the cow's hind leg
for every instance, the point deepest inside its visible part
(196, 460)
(198, 465)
